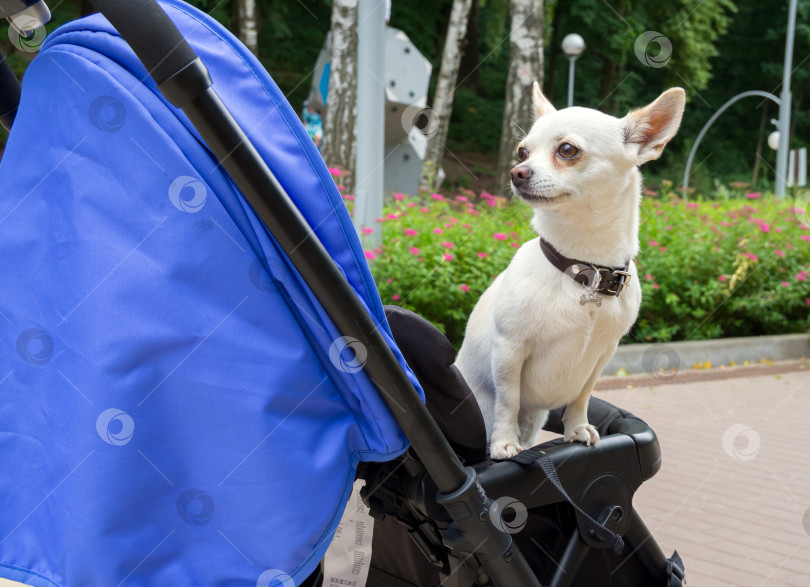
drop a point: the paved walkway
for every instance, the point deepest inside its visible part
(733, 495)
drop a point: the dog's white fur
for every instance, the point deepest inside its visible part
(530, 346)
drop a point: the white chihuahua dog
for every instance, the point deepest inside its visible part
(543, 331)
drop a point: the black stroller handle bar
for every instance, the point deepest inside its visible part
(184, 81)
(9, 94)
(151, 34)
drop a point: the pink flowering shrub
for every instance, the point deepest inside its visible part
(437, 258)
(708, 268)
(726, 268)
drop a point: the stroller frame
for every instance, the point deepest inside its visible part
(430, 479)
(626, 457)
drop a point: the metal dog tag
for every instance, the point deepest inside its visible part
(590, 296)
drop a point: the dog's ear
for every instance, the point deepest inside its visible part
(541, 104)
(651, 128)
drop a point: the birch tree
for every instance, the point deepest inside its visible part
(525, 66)
(445, 89)
(341, 109)
(245, 17)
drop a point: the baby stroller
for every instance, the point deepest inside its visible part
(197, 365)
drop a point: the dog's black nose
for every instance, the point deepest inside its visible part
(520, 175)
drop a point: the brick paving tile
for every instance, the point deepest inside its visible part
(735, 483)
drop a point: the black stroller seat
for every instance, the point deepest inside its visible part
(413, 543)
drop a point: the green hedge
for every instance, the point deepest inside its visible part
(709, 268)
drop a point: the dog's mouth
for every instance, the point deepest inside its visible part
(533, 197)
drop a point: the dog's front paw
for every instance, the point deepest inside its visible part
(583, 433)
(504, 450)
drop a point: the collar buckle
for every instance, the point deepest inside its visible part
(622, 282)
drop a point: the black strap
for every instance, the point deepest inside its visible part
(612, 280)
(526, 457)
(547, 466)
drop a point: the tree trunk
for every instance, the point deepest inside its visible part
(525, 66)
(445, 89)
(797, 107)
(470, 61)
(548, 88)
(341, 101)
(442, 22)
(245, 21)
(607, 80)
(760, 139)
(614, 99)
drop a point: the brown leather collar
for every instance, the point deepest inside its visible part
(609, 281)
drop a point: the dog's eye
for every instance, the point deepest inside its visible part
(522, 154)
(567, 151)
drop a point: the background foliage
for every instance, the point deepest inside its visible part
(440, 253)
(720, 48)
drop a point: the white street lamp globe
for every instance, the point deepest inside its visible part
(573, 45)
(773, 140)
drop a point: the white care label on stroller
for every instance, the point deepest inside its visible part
(348, 557)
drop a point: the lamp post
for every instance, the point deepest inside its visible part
(771, 139)
(784, 107)
(573, 45)
(368, 167)
(774, 139)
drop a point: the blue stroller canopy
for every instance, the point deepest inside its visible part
(175, 406)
